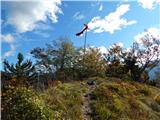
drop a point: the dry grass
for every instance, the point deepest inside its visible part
(126, 101)
(65, 100)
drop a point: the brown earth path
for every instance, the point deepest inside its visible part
(87, 112)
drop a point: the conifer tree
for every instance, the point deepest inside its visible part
(22, 73)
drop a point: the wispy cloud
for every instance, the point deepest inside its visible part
(155, 32)
(41, 33)
(148, 4)
(8, 38)
(78, 16)
(24, 15)
(10, 52)
(101, 7)
(43, 27)
(113, 21)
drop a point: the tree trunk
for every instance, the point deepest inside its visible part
(136, 76)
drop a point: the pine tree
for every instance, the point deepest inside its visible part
(22, 73)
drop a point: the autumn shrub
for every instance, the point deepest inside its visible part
(157, 99)
(116, 70)
(90, 64)
(20, 103)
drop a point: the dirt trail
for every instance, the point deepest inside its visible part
(87, 112)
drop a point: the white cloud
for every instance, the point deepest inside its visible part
(10, 52)
(148, 4)
(103, 49)
(24, 15)
(120, 44)
(8, 38)
(43, 27)
(111, 22)
(155, 32)
(1, 21)
(151, 33)
(78, 16)
(41, 33)
(101, 7)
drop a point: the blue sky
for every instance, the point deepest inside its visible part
(26, 25)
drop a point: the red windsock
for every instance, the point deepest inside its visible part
(84, 29)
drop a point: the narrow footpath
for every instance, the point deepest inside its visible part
(87, 112)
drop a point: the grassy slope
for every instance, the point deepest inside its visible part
(65, 100)
(113, 99)
(125, 101)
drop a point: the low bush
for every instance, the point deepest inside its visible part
(20, 103)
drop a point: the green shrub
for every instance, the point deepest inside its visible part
(20, 103)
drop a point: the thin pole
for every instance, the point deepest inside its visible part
(38, 81)
(85, 42)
